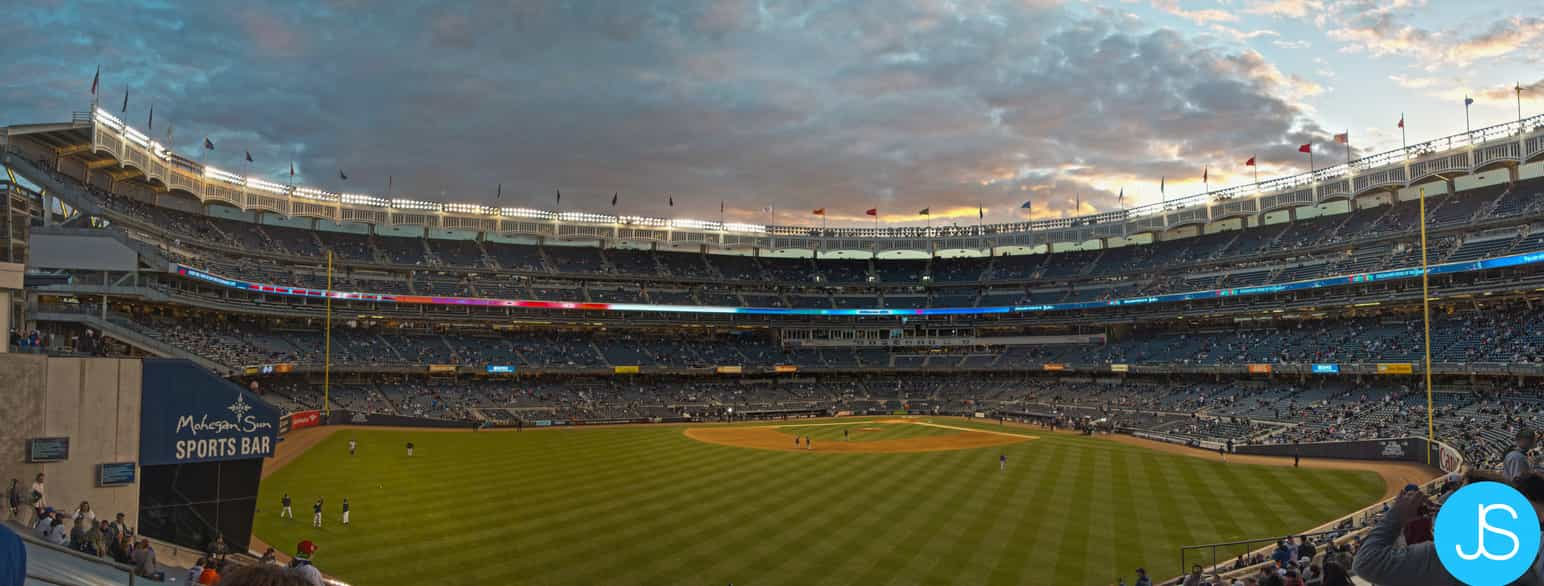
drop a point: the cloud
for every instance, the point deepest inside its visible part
(1292, 44)
(1284, 8)
(1381, 30)
(1531, 92)
(1199, 17)
(895, 105)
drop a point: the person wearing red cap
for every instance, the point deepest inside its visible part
(301, 565)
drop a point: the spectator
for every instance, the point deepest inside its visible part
(39, 498)
(1516, 463)
(262, 575)
(270, 557)
(13, 498)
(144, 560)
(84, 512)
(58, 533)
(301, 565)
(1335, 575)
(197, 571)
(1382, 561)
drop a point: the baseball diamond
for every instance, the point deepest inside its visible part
(710, 504)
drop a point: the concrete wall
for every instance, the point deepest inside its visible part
(93, 401)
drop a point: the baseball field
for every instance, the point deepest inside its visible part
(864, 501)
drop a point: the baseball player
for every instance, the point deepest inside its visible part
(345, 511)
(284, 511)
(352, 445)
(316, 513)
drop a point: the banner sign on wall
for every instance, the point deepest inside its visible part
(626, 370)
(1396, 368)
(190, 415)
(501, 369)
(1259, 369)
(1326, 369)
(785, 368)
(1052, 366)
(304, 419)
(730, 370)
(1120, 368)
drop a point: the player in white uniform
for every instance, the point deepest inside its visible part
(345, 511)
(352, 445)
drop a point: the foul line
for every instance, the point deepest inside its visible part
(927, 423)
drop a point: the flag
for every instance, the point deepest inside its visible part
(819, 211)
(207, 144)
(560, 197)
(95, 79)
(1306, 148)
(1025, 206)
(126, 101)
(1206, 173)
(1343, 138)
(766, 210)
(500, 193)
(1401, 120)
(614, 199)
(249, 156)
(1161, 187)
(1121, 198)
(980, 213)
(1250, 162)
(672, 200)
(150, 124)
(292, 169)
(389, 181)
(872, 212)
(341, 175)
(925, 212)
(721, 206)
(1468, 100)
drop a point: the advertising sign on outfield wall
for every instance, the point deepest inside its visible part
(442, 369)
(1053, 366)
(626, 370)
(1396, 368)
(730, 370)
(785, 368)
(1326, 369)
(1120, 368)
(304, 419)
(1259, 369)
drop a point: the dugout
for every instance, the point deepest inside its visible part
(202, 444)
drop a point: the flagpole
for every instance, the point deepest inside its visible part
(1518, 89)
(327, 360)
(1348, 148)
(1404, 144)
(1467, 101)
(1431, 425)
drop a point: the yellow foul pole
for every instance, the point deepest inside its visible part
(1431, 421)
(326, 364)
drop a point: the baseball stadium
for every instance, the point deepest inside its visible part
(261, 375)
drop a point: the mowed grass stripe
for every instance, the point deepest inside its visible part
(492, 498)
(759, 557)
(646, 505)
(701, 528)
(847, 548)
(936, 522)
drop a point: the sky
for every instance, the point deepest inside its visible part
(897, 105)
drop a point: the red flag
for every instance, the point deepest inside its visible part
(872, 212)
(96, 78)
(1401, 120)
(819, 212)
(1307, 148)
(1343, 138)
(1250, 162)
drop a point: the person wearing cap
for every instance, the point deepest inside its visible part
(13, 558)
(1516, 463)
(301, 565)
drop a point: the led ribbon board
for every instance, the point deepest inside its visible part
(1388, 275)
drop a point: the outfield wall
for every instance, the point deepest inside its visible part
(95, 402)
(1404, 449)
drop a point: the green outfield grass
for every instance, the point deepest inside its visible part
(647, 505)
(856, 432)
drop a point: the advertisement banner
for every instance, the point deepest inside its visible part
(304, 419)
(1326, 369)
(1120, 368)
(1396, 368)
(190, 415)
(730, 370)
(442, 369)
(786, 368)
(500, 369)
(626, 370)
(1259, 369)
(1052, 366)
(342, 417)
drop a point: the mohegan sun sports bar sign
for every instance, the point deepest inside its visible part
(190, 415)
